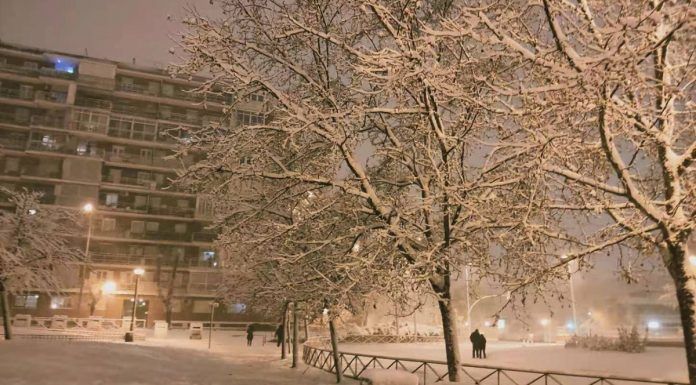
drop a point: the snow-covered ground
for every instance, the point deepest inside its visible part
(175, 360)
(659, 363)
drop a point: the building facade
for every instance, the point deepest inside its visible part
(90, 131)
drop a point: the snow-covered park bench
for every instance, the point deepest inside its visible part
(387, 377)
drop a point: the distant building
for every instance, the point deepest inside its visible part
(84, 130)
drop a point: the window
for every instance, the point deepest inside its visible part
(180, 228)
(245, 161)
(145, 154)
(22, 115)
(62, 65)
(31, 64)
(99, 275)
(165, 112)
(26, 301)
(117, 152)
(182, 203)
(61, 302)
(201, 306)
(11, 164)
(152, 227)
(26, 92)
(191, 115)
(167, 89)
(176, 306)
(112, 199)
(246, 118)
(257, 97)
(144, 176)
(108, 224)
(136, 250)
(140, 201)
(155, 202)
(137, 227)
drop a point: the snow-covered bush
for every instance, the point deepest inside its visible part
(628, 341)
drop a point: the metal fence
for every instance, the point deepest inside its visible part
(431, 371)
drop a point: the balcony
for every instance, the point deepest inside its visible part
(131, 181)
(145, 260)
(159, 210)
(137, 159)
(48, 121)
(35, 72)
(136, 88)
(134, 111)
(12, 142)
(16, 93)
(51, 96)
(203, 236)
(40, 172)
(93, 103)
(64, 148)
(179, 117)
(12, 118)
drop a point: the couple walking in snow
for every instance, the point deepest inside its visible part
(478, 341)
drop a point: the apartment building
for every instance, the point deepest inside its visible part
(84, 130)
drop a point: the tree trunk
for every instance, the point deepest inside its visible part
(285, 322)
(449, 330)
(684, 276)
(334, 348)
(92, 307)
(306, 329)
(295, 343)
(5, 312)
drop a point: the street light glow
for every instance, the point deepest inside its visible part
(544, 322)
(692, 260)
(138, 271)
(33, 212)
(653, 325)
(88, 208)
(109, 287)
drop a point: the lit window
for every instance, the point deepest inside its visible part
(62, 65)
(26, 301)
(61, 302)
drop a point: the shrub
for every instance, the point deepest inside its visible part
(628, 341)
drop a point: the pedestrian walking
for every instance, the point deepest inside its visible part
(474, 338)
(280, 334)
(250, 334)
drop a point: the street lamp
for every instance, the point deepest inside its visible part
(213, 306)
(108, 287)
(87, 209)
(572, 293)
(138, 271)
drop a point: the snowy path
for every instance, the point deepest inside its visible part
(661, 363)
(174, 361)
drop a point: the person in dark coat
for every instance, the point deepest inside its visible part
(475, 340)
(280, 334)
(250, 334)
(482, 346)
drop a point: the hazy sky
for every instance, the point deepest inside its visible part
(112, 29)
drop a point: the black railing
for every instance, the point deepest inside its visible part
(431, 371)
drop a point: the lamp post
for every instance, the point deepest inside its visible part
(138, 271)
(213, 306)
(572, 293)
(88, 209)
(507, 294)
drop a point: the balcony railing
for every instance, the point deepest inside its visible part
(93, 103)
(35, 72)
(11, 118)
(146, 183)
(40, 172)
(203, 236)
(136, 88)
(137, 159)
(15, 93)
(48, 121)
(159, 210)
(132, 110)
(64, 148)
(52, 96)
(144, 260)
(13, 143)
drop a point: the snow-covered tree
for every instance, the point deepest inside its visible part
(34, 246)
(367, 109)
(605, 90)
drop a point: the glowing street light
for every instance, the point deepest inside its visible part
(88, 208)
(544, 322)
(32, 211)
(138, 271)
(692, 260)
(108, 287)
(654, 325)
